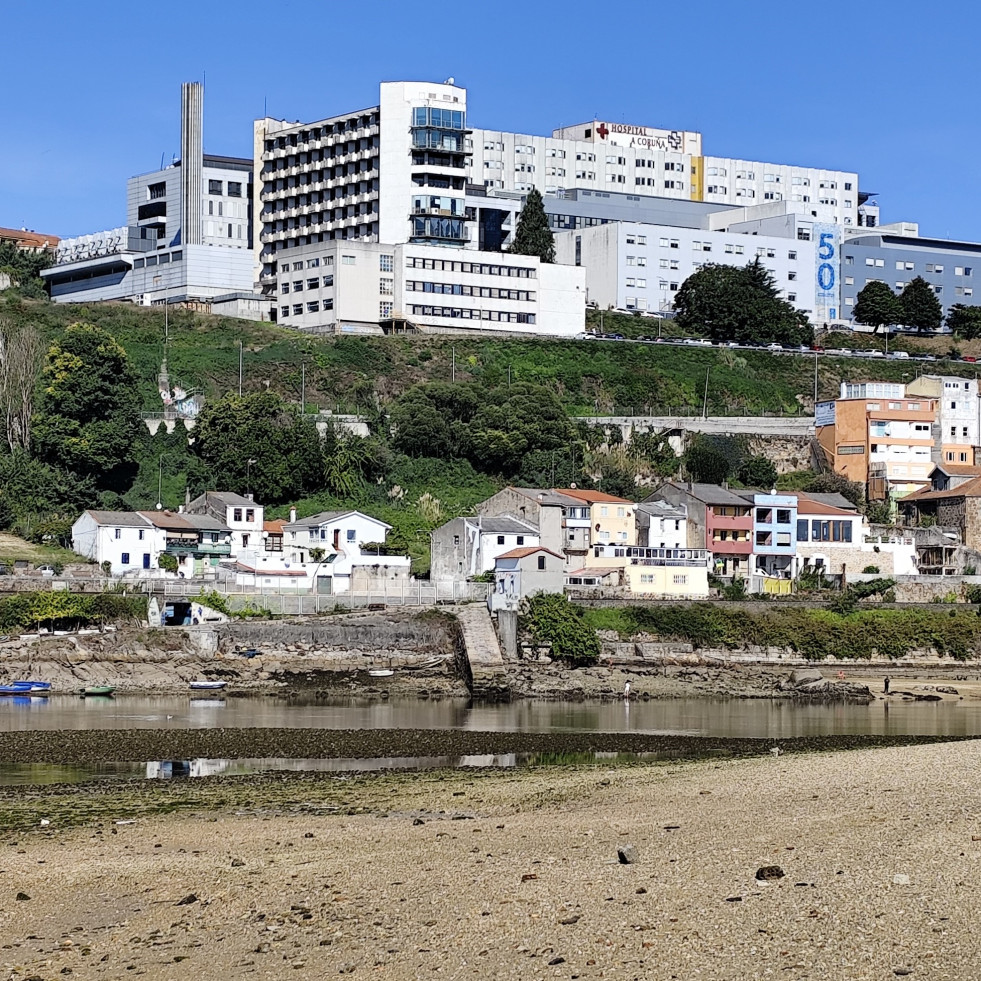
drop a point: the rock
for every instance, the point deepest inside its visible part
(900, 879)
(767, 872)
(627, 854)
(556, 960)
(734, 899)
(947, 690)
(22, 897)
(569, 920)
(804, 676)
(417, 821)
(347, 969)
(187, 900)
(902, 971)
(237, 863)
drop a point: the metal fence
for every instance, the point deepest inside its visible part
(412, 595)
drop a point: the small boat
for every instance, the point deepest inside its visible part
(32, 685)
(380, 672)
(19, 689)
(208, 685)
(98, 691)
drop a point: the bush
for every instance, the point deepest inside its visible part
(871, 570)
(551, 619)
(167, 562)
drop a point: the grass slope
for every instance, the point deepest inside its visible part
(347, 373)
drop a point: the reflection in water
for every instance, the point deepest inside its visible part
(763, 718)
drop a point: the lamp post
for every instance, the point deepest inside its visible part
(160, 464)
(248, 475)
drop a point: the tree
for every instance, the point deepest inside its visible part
(742, 305)
(921, 308)
(877, 306)
(258, 444)
(88, 420)
(20, 361)
(830, 482)
(965, 321)
(706, 463)
(533, 236)
(757, 471)
(24, 268)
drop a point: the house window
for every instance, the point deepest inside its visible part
(245, 541)
(119, 533)
(802, 529)
(500, 539)
(351, 532)
(124, 558)
(249, 514)
(237, 514)
(456, 540)
(541, 562)
(141, 530)
(521, 539)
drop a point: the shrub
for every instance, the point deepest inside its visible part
(871, 570)
(551, 619)
(167, 562)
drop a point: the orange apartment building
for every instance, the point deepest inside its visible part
(878, 436)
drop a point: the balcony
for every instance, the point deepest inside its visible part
(180, 546)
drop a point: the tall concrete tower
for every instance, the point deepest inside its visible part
(192, 161)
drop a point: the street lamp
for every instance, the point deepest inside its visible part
(248, 475)
(160, 464)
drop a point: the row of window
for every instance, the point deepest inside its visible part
(313, 306)
(457, 289)
(478, 268)
(161, 259)
(311, 284)
(234, 188)
(462, 313)
(304, 136)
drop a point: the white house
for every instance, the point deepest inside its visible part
(465, 547)
(523, 572)
(330, 547)
(240, 515)
(127, 540)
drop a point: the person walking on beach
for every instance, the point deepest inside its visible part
(885, 685)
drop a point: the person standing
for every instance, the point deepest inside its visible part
(626, 691)
(885, 685)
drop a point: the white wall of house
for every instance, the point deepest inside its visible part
(128, 549)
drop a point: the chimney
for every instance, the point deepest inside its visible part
(192, 161)
(292, 515)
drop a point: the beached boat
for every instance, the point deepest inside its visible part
(208, 685)
(98, 691)
(32, 685)
(17, 689)
(380, 672)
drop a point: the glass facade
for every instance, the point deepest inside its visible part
(439, 118)
(438, 205)
(452, 229)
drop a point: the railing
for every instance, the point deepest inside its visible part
(692, 411)
(198, 548)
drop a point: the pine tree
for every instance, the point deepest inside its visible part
(533, 235)
(877, 306)
(921, 308)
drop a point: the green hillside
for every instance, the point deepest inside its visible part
(352, 373)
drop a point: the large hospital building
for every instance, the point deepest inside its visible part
(395, 216)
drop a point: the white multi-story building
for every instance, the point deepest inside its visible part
(637, 267)
(354, 286)
(188, 234)
(957, 430)
(398, 172)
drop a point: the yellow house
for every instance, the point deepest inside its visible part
(611, 519)
(675, 573)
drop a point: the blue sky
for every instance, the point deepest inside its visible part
(886, 89)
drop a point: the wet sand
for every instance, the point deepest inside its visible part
(515, 875)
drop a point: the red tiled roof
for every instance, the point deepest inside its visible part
(274, 527)
(970, 488)
(25, 239)
(520, 553)
(593, 497)
(805, 505)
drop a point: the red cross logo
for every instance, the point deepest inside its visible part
(602, 130)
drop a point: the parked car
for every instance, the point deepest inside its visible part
(899, 355)
(968, 358)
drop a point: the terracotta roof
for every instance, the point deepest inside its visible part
(970, 488)
(274, 527)
(599, 572)
(24, 239)
(807, 505)
(521, 553)
(959, 469)
(168, 520)
(593, 497)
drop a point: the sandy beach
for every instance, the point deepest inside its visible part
(515, 874)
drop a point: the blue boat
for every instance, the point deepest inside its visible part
(32, 685)
(22, 692)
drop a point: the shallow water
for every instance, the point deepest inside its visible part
(689, 716)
